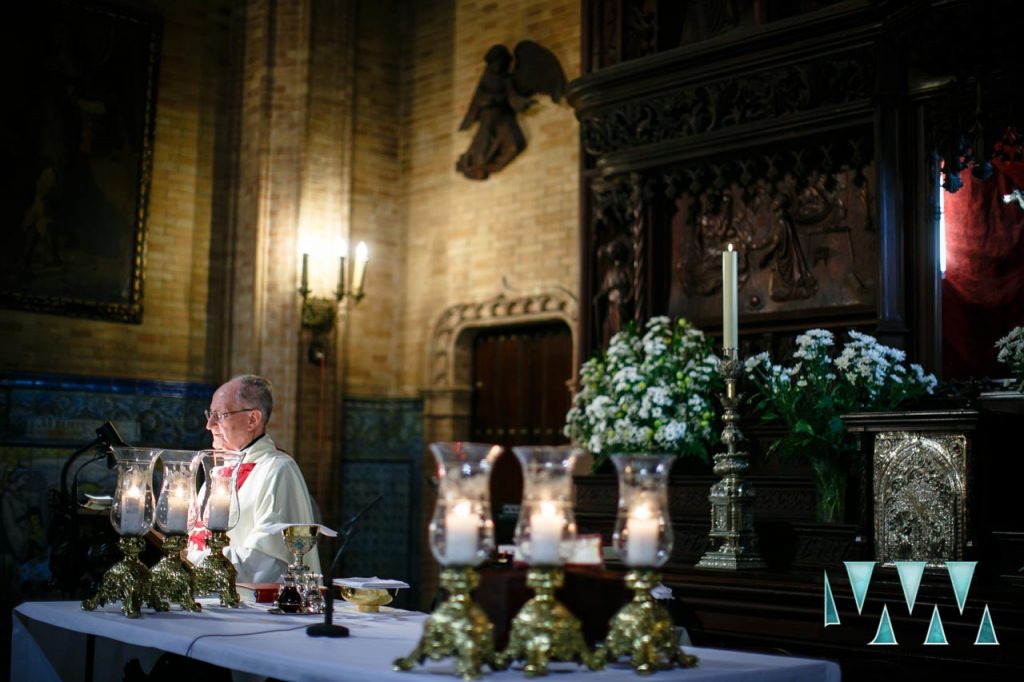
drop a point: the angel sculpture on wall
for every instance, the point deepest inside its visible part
(498, 96)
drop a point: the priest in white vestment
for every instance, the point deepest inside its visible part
(271, 488)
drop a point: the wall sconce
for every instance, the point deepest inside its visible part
(319, 314)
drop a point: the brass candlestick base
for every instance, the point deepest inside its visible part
(127, 581)
(173, 577)
(644, 631)
(216, 573)
(732, 498)
(544, 630)
(457, 628)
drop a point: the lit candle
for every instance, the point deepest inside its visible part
(219, 506)
(461, 536)
(177, 511)
(305, 272)
(730, 312)
(546, 535)
(362, 256)
(132, 511)
(641, 537)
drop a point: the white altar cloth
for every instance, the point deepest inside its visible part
(49, 640)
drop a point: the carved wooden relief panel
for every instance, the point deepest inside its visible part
(804, 243)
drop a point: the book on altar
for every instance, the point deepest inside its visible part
(261, 593)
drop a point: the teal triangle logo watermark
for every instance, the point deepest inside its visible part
(961, 573)
(859, 573)
(986, 631)
(831, 614)
(884, 635)
(910, 573)
(936, 633)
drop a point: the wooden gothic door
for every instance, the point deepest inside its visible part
(520, 397)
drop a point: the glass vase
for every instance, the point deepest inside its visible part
(218, 497)
(177, 493)
(830, 481)
(462, 530)
(546, 528)
(134, 503)
(643, 528)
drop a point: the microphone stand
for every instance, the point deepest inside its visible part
(328, 628)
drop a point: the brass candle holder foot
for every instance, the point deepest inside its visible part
(544, 630)
(127, 581)
(173, 577)
(216, 573)
(457, 628)
(644, 631)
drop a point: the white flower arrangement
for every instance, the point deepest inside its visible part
(1011, 352)
(649, 393)
(809, 396)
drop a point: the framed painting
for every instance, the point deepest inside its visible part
(76, 139)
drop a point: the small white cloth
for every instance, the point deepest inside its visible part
(371, 583)
(324, 530)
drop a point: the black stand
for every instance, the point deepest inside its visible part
(328, 628)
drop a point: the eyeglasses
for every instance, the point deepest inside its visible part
(215, 417)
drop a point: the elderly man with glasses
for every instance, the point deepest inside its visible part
(270, 486)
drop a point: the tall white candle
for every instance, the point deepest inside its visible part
(461, 528)
(546, 535)
(641, 537)
(177, 511)
(730, 310)
(132, 511)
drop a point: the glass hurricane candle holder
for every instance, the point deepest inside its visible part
(129, 581)
(545, 630)
(461, 538)
(642, 629)
(218, 513)
(173, 577)
(546, 528)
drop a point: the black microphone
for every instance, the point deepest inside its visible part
(106, 437)
(328, 628)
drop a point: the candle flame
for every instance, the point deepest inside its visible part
(730, 246)
(642, 511)
(462, 509)
(548, 508)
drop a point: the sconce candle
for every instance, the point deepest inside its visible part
(305, 272)
(730, 311)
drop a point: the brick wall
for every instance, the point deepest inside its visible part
(179, 335)
(459, 238)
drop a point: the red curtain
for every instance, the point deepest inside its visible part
(982, 294)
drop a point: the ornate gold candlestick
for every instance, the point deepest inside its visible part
(644, 631)
(216, 573)
(544, 630)
(461, 537)
(173, 577)
(732, 498)
(131, 515)
(457, 628)
(127, 581)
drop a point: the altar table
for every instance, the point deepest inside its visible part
(51, 641)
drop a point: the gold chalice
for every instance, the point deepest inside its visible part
(300, 539)
(366, 599)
